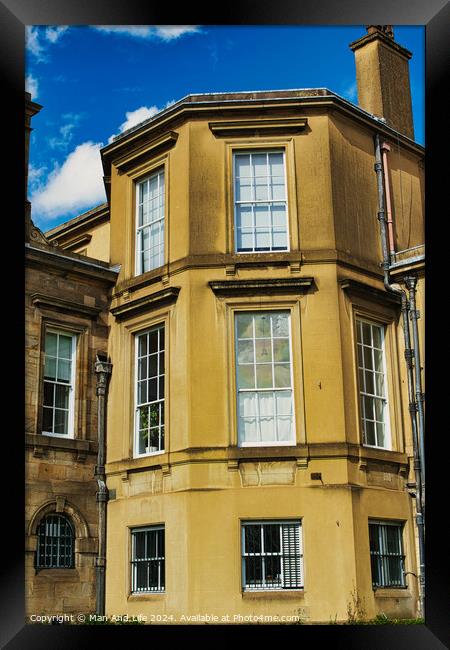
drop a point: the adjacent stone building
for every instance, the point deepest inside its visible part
(66, 310)
(260, 448)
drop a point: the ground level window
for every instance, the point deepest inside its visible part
(56, 541)
(272, 555)
(386, 554)
(147, 559)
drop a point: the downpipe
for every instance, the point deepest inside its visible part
(103, 372)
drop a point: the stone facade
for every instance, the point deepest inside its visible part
(66, 291)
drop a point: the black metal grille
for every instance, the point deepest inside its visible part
(147, 564)
(55, 543)
(272, 556)
(386, 555)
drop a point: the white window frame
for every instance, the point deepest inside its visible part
(136, 453)
(266, 150)
(71, 414)
(383, 552)
(361, 393)
(145, 529)
(265, 443)
(263, 555)
(138, 229)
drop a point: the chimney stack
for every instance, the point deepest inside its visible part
(382, 75)
(31, 109)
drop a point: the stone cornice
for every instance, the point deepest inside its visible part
(259, 126)
(147, 303)
(361, 290)
(233, 455)
(244, 104)
(147, 150)
(382, 38)
(261, 286)
(52, 257)
(51, 302)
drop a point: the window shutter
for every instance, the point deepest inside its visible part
(292, 556)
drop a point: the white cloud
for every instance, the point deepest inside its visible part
(53, 34)
(33, 42)
(39, 38)
(163, 32)
(32, 85)
(65, 134)
(73, 187)
(134, 118)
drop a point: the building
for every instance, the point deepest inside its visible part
(262, 434)
(66, 310)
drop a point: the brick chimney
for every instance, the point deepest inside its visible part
(382, 75)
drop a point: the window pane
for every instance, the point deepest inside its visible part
(64, 370)
(259, 161)
(263, 349)
(245, 351)
(280, 324)
(370, 432)
(247, 404)
(271, 534)
(281, 350)
(51, 343)
(62, 396)
(279, 240)
(264, 376)
(49, 394)
(242, 165)
(367, 339)
(279, 216)
(244, 216)
(262, 325)
(282, 375)
(243, 189)
(50, 367)
(276, 165)
(262, 216)
(47, 420)
(377, 337)
(244, 324)
(65, 347)
(252, 539)
(61, 421)
(262, 239)
(246, 377)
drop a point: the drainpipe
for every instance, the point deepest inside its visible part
(411, 282)
(390, 230)
(103, 372)
(406, 306)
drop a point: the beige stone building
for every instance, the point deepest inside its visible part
(261, 419)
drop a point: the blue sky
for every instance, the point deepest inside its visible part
(94, 82)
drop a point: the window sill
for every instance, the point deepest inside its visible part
(271, 594)
(147, 596)
(392, 592)
(43, 441)
(58, 574)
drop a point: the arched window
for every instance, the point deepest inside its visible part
(56, 541)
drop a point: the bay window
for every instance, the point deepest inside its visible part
(265, 408)
(260, 202)
(150, 375)
(150, 222)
